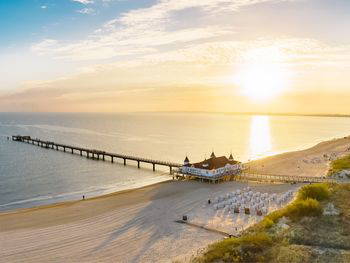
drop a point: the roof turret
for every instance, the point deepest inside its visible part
(186, 161)
(212, 155)
(230, 157)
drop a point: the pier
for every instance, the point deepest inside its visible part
(261, 177)
(95, 154)
(245, 175)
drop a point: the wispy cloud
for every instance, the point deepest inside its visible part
(85, 2)
(87, 11)
(145, 28)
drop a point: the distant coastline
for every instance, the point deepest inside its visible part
(257, 113)
(196, 112)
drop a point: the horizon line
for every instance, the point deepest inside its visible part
(191, 112)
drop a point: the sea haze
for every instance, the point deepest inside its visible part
(31, 175)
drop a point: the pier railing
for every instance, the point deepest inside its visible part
(256, 176)
(93, 153)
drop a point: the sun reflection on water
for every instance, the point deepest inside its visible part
(260, 136)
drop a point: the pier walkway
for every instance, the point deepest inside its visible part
(94, 154)
(256, 176)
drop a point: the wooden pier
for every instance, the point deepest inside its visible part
(94, 154)
(245, 175)
(256, 176)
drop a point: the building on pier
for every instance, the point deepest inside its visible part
(214, 167)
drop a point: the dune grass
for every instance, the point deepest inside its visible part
(339, 165)
(266, 242)
(306, 204)
(318, 192)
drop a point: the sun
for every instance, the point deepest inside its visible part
(262, 76)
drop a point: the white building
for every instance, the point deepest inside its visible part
(213, 167)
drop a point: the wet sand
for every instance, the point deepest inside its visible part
(136, 225)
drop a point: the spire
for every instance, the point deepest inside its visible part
(186, 161)
(231, 157)
(212, 155)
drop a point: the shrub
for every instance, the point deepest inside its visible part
(301, 208)
(258, 240)
(240, 249)
(315, 191)
(266, 223)
(339, 165)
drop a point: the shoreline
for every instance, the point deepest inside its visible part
(138, 225)
(58, 204)
(253, 163)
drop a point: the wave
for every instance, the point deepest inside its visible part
(77, 195)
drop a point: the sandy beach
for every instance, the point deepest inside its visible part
(138, 225)
(309, 162)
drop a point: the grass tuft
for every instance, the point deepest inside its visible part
(318, 192)
(244, 248)
(339, 165)
(301, 208)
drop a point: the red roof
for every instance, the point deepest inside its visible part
(214, 163)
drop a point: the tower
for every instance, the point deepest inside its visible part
(186, 161)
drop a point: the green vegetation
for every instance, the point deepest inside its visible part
(306, 204)
(301, 208)
(339, 165)
(249, 245)
(297, 233)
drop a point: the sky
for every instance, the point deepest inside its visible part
(278, 56)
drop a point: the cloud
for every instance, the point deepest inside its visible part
(87, 11)
(203, 63)
(197, 76)
(43, 7)
(84, 2)
(176, 51)
(152, 28)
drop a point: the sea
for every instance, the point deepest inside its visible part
(32, 176)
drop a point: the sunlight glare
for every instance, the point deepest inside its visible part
(262, 75)
(260, 137)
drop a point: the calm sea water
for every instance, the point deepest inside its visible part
(32, 176)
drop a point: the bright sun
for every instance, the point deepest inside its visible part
(262, 77)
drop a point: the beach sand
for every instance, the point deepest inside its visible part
(310, 162)
(136, 225)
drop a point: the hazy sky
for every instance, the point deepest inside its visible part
(175, 55)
